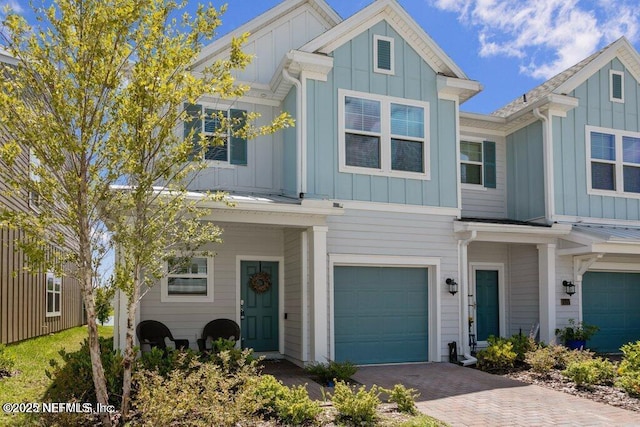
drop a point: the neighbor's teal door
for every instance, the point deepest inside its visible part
(259, 325)
(381, 314)
(487, 304)
(611, 301)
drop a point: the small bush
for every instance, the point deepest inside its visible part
(629, 370)
(521, 345)
(228, 356)
(7, 362)
(590, 372)
(163, 362)
(357, 408)
(542, 360)
(295, 407)
(269, 390)
(329, 372)
(498, 356)
(404, 397)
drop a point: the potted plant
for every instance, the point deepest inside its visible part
(575, 335)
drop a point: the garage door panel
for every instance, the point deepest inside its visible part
(381, 314)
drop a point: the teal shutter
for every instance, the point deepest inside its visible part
(489, 155)
(193, 123)
(238, 145)
(616, 80)
(384, 54)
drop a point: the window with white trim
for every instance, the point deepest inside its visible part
(471, 162)
(381, 135)
(383, 57)
(188, 280)
(616, 86)
(54, 294)
(614, 161)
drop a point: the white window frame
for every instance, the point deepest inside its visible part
(621, 74)
(52, 293)
(164, 284)
(619, 163)
(481, 163)
(385, 136)
(227, 110)
(391, 40)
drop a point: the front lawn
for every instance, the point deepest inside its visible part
(29, 381)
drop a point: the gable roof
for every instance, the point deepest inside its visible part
(568, 80)
(264, 20)
(401, 22)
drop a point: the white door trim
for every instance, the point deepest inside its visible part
(491, 266)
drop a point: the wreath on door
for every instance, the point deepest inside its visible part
(260, 282)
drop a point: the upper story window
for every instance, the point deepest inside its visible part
(54, 293)
(616, 86)
(222, 145)
(614, 161)
(381, 135)
(188, 280)
(478, 163)
(383, 58)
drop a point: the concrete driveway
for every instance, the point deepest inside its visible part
(468, 397)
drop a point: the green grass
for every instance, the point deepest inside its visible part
(32, 360)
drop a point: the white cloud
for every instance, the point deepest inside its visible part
(552, 34)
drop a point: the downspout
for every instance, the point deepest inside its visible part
(299, 124)
(464, 294)
(548, 165)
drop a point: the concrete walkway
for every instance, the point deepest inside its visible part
(468, 397)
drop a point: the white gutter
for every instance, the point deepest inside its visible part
(463, 247)
(299, 124)
(549, 202)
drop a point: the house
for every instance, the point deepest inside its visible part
(384, 194)
(31, 304)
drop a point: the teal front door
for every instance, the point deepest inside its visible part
(487, 304)
(259, 315)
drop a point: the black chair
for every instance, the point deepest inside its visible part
(153, 333)
(219, 328)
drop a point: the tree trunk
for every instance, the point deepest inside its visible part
(129, 355)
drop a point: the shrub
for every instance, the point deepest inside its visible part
(629, 371)
(269, 390)
(542, 360)
(357, 408)
(7, 362)
(576, 331)
(328, 372)
(590, 372)
(404, 397)
(73, 380)
(228, 356)
(165, 361)
(521, 345)
(295, 407)
(498, 356)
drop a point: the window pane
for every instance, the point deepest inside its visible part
(471, 151)
(194, 266)
(407, 155)
(407, 120)
(50, 303)
(603, 146)
(211, 120)
(603, 176)
(187, 286)
(50, 283)
(362, 114)
(362, 151)
(56, 303)
(217, 149)
(631, 149)
(631, 179)
(471, 174)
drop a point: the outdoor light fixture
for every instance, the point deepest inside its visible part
(569, 287)
(453, 286)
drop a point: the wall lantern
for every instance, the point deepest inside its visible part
(453, 286)
(569, 287)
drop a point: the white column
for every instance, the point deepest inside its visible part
(547, 291)
(319, 294)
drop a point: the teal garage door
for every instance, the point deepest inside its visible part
(381, 314)
(610, 301)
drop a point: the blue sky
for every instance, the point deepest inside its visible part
(509, 46)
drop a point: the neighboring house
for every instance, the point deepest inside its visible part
(31, 304)
(384, 190)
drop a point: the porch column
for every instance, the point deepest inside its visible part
(319, 294)
(547, 291)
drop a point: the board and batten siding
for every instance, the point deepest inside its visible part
(483, 202)
(525, 174)
(290, 148)
(365, 232)
(569, 146)
(413, 79)
(263, 172)
(186, 320)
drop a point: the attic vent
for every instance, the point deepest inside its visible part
(616, 84)
(383, 54)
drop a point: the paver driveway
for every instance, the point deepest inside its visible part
(468, 397)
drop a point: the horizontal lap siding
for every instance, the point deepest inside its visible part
(365, 232)
(293, 294)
